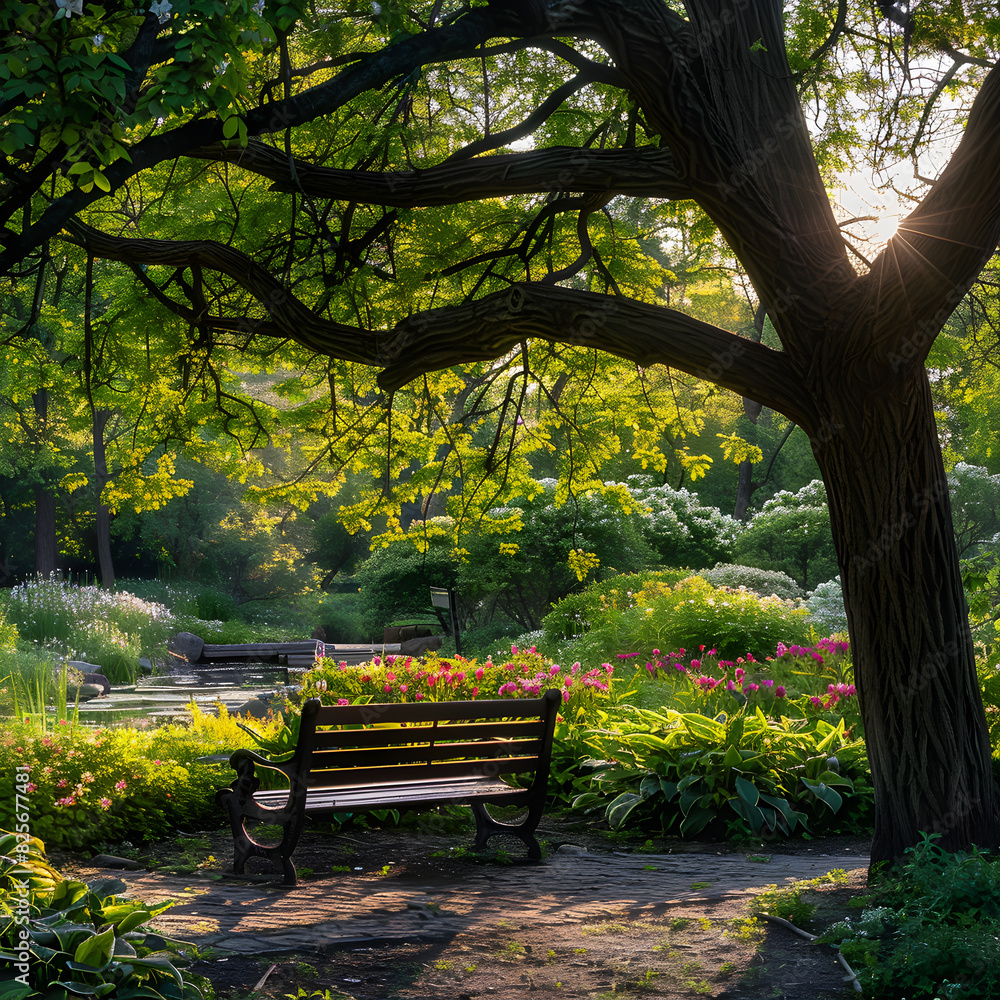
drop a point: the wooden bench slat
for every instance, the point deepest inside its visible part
(380, 774)
(423, 711)
(376, 736)
(475, 755)
(346, 798)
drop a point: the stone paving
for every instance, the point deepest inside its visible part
(571, 886)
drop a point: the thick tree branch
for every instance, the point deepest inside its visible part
(941, 247)
(289, 315)
(644, 172)
(646, 334)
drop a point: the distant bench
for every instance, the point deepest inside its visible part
(399, 757)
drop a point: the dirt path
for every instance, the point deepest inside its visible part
(407, 915)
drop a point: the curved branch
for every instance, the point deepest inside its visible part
(643, 172)
(289, 315)
(525, 128)
(646, 334)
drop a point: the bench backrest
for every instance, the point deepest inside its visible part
(425, 740)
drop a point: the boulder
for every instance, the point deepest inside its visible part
(417, 647)
(99, 680)
(254, 709)
(186, 646)
(83, 693)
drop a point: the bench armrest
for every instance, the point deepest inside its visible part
(249, 755)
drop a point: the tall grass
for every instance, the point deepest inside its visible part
(30, 683)
(106, 627)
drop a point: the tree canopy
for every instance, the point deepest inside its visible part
(510, 192)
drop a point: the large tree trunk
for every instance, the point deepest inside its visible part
(914, 666)
(103, 514)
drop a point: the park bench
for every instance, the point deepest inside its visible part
(356, 758)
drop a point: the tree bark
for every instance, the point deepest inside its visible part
(914, 663)
(103, 514)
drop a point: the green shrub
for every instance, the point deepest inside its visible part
(686, 771)
(763, 582)
(66, 937)
(661, 614)
(791, 533)
(524, 557)
(339, 615)
(89, 786)
(395, 581)
(932, 930)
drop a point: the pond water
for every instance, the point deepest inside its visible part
(167, 698)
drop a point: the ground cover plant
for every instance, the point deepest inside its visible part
(929, 930)
(63, 937)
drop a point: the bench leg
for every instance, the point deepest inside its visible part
(245, 847)
(487, 826)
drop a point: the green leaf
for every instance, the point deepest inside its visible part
(230, 126)
(620, 809)
(696, 821)
(706, 729)
(96, 951)
(747, 791)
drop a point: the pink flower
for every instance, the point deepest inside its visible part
(680, 667)
(767, 682)
(121, 785)
(420, 696)
(61, 783)
(387, 688)
(377, 661)
(695, 664)
(105, 803)
(779, 692)
(390, 676)
(816, 701)
(739, 673)
(513, 650)
(343, 701)
(480, 673)
(29, 787)
(403, 688)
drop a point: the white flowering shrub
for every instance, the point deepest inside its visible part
(684, 531)
(826, 608)
(765, 582)
(791, 533)
(58, 613)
